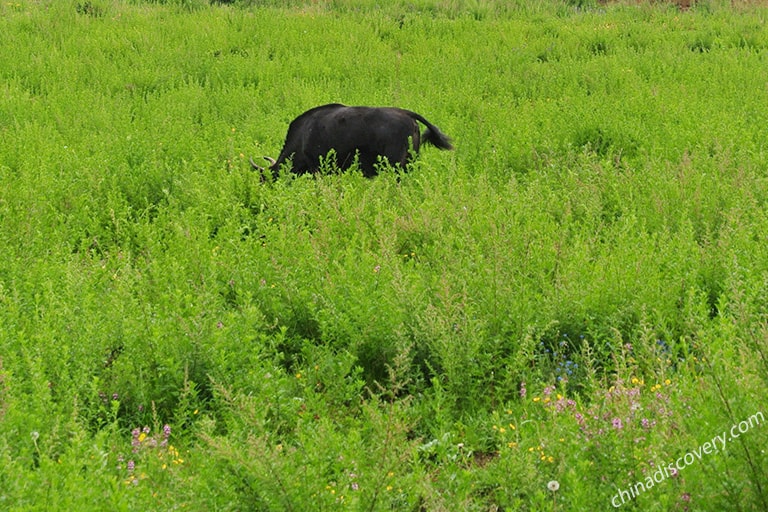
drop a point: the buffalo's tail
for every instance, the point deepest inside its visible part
(432, 134)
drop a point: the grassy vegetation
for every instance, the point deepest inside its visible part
(577, 293)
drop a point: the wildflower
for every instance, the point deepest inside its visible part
(377, 269)
(135, 441)
(131, 466)
(561, 405)
(553, 485)
(617, 423)
(686, 497)
(167, 431)
(522, 390)
(115, 397)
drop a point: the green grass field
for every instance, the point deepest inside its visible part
(577, 294)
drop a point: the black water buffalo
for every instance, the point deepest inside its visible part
(370, 133)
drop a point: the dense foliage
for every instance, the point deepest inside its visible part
(577, 294)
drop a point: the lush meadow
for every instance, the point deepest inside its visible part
(576, 294)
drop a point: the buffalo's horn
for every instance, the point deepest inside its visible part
(271, 160)
(257, 167)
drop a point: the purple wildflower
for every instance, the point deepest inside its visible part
(135, 442)
(617, 424)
